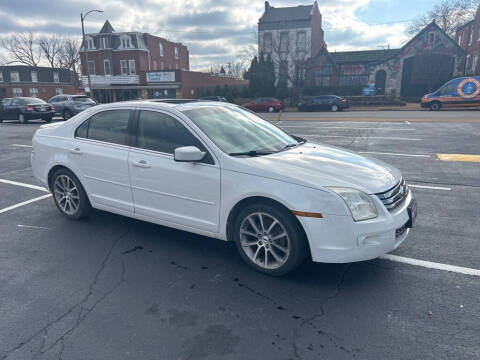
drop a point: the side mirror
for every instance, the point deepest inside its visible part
(188, 154)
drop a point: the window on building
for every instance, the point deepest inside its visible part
(267, 42)
(431, 38)
(176, 66)
(460, 40)
(478, 35)
(161, 65)
(17, 92)
(123, 67)
(34, 76)
(108, 126)
(176, 52)
(154, 64)
(103, 43)
(284, 42)
(474, 63)
(301, 40)
(33, 92)
(14, 76)
(161, 49)
(471, 37)
(106, 67)
(126, 43)
(162, 133)
(89, 43)
(56, 78)
(283, 70)
(91, 67)
(58, 91)
(131, 66)
(1, 76)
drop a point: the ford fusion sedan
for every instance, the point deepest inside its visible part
(219, 170)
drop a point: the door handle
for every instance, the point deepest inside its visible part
(141, 164)
(76, 151)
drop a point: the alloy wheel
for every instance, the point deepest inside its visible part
(66, 194)
(264, 240)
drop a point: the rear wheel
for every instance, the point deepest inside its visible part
(47, 119)
(269, 239)
(22, 118)
(271, 109)
(334, 108)
(435, 106)
(67, 114)
(69, 195)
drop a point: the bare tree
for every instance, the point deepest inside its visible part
(448, 15)
(51, 46)
(22, 48)
(69, 57)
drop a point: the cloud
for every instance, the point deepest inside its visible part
(216, 31)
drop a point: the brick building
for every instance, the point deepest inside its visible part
(423, 64)
(468, 38)
(131, 65)
(35, 81)
(290, 35)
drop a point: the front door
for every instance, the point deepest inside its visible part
(183, 193)
(99, 153)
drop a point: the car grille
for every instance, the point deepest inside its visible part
(395, 196)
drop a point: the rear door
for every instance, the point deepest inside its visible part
(99, 153)
(183, 193)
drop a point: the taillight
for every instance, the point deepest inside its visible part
(29, 108)
(344, 100)
(51, 107)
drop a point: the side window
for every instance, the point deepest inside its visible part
(108, 126)
(161, 132)
(447, 89)
(18, 102)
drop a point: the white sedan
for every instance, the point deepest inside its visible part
(219, 170)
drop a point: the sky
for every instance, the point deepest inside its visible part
(215, 31)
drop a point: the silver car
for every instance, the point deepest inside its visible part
(70, 105)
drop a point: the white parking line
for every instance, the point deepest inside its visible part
(430, 187)
(23, 184)
(394, 154)
(33, 227)
(432, 265)
(24, 203)
(350, 128)
(361, 137)
(21, 145)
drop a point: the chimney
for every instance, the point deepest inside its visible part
(267, 6)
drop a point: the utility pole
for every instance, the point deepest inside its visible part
(85, 48)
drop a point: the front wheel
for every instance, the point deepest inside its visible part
(435, 106)
(269, 239)
(334, 108)
(69, 195)
(22, 118)
(271, 109)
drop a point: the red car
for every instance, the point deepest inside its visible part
(265, 104)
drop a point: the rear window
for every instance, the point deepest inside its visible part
(108, 126)
(34, 101)
(83, 99)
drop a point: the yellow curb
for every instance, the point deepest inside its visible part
(459, 157)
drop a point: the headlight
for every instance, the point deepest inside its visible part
(359, 203)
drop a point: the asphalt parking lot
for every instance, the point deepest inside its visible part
(111, 287)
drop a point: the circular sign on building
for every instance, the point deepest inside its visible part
(469, 88)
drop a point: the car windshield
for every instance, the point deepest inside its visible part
(237, 131)
(83, 100)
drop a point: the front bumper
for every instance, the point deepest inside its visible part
(339, 239)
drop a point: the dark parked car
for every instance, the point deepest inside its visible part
(213, 98)
(70, 105)
(24, 109)
(324, 102)
(265, 104)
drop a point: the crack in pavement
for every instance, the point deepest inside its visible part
(340, 281)
(306, 321)
(82, 313)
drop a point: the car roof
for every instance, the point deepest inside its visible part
(180, 106)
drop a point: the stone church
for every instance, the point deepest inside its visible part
(422, 65)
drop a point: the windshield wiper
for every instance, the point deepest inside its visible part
(301, 141)
(252, 153)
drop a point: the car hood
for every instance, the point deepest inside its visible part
(316, 165)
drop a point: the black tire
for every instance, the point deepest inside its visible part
(297, 240)
(84, 208)
(67, 114)
(435, 106)
(47, 119)
(1, 118)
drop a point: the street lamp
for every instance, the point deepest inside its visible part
(82, 18)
